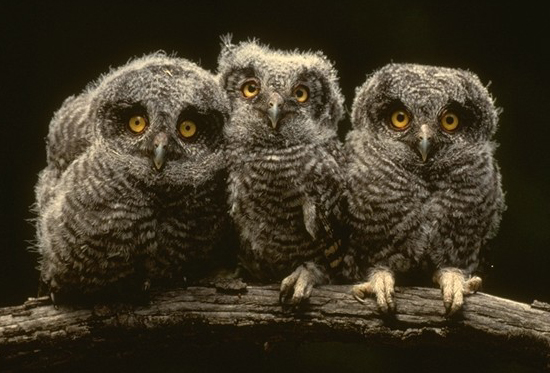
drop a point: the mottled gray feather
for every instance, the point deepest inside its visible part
(410, 216)
(106, 214)
(286, 182)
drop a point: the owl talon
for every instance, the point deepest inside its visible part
(54, 302)
(453, 288)
(381, 283)
(357, 297)
(472, 285)
(299, 285)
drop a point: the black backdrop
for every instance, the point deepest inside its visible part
(52, 49)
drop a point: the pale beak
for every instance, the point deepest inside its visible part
(159, 152)
(274, 111)
(424, 144)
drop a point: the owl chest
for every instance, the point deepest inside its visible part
(385, 205)
(183, 218)
(267, 198)
(383, 197)
(140, 220)
(269, 186)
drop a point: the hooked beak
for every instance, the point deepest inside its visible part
(424, 144)
(159, 150)
(274, 112)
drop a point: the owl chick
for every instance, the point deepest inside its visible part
(285, 181)
(424, 187)
(134, 187)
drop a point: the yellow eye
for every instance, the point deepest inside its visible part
(250, 89)
(449, 121)
(188, 128)
(137, 124)
(400, 119)
(301, 93)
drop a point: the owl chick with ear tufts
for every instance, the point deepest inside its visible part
(285, 181)
(424, 188)
(134, 188)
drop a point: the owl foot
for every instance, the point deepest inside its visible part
(382, 284)
(454, 286)
(299, 284)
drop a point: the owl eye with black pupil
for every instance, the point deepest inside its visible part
(400, 119)
(449, 121)
(187, 129)
(301, 93)
(250, 89)
(137, 124)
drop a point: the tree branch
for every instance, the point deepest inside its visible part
(36, 334)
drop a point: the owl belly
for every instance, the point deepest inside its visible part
(100, 234)
(459, 222)
(267, 207)
(188, 229)
(393, 242)
(275, 241)
(385, 215)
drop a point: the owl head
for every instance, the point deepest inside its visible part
(416, 112)
(161, 117)
(279, 96)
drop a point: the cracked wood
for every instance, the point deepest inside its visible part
(36, 334)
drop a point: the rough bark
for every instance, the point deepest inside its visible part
(38, 335)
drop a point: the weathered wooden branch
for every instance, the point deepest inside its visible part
(36, 334)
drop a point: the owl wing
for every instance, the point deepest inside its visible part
(323, 201)
(70, 132)
(69, 136)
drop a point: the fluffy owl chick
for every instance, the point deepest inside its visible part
(424, 188)
(134, 188)
(285, 181)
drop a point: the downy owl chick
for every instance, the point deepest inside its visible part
(134, 188)
(424, 188)
(285, 180)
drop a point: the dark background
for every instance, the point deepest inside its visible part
(52, 49)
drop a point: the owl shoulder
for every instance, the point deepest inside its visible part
(70, 132)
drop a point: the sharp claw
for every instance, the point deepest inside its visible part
(359, 294)
(386, 305)
(52, 297)
(299, 284)
(381, 285)
(285, 289)
(391, 306)
(359, 299)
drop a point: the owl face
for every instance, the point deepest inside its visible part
(423, 111)
(164, 119)
(279, 96)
